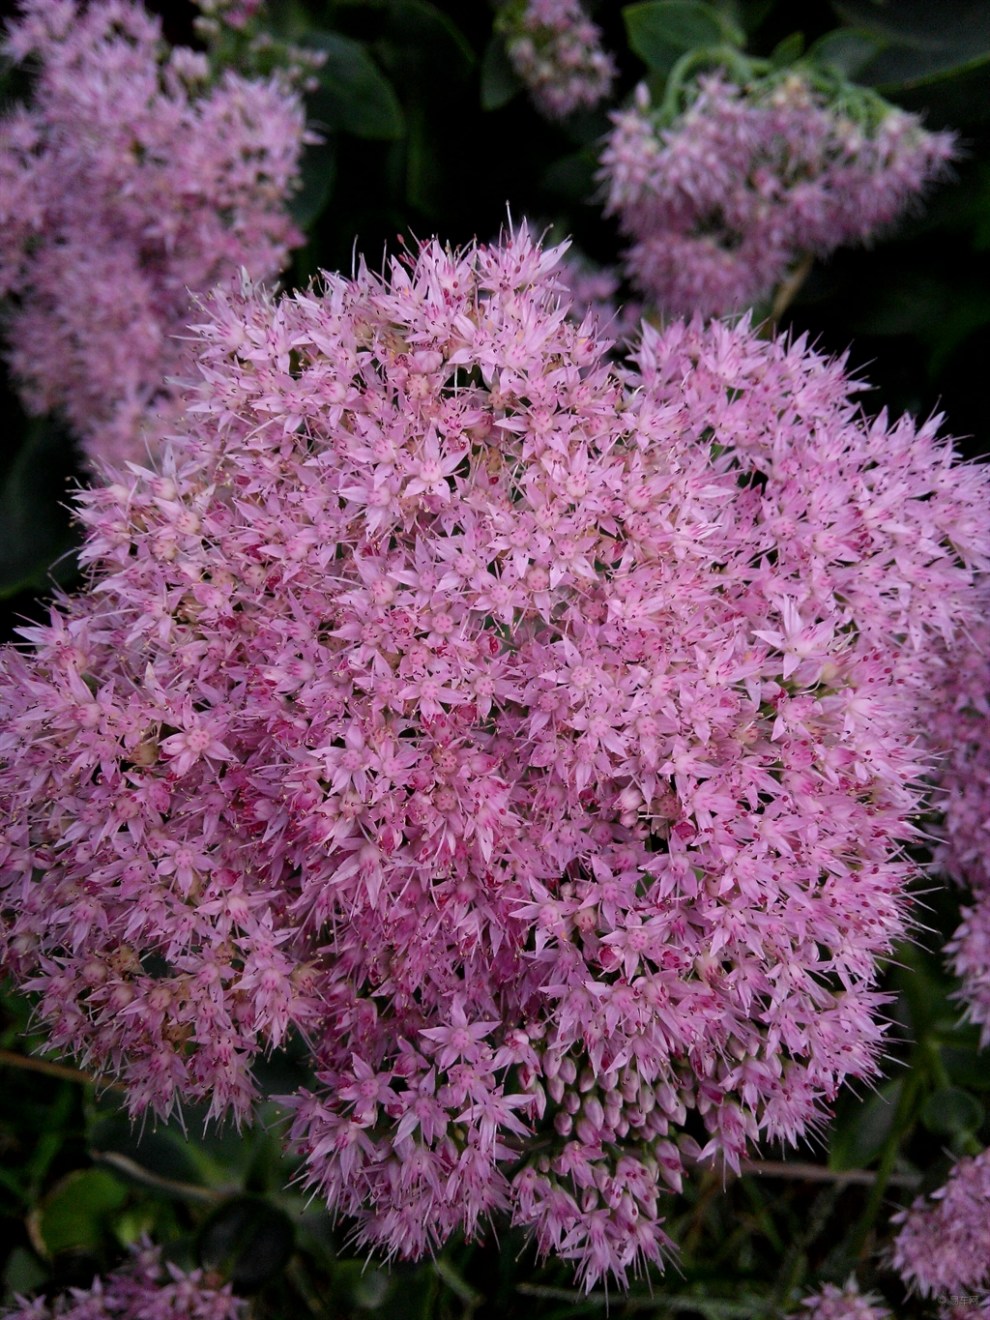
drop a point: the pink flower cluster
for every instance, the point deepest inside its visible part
(722, 197)
(846, 1303)
(959, 730)
(969, 954)
(943, 1246)
(537, 736)
(134, 176)
(146, 1288)
(556, 50)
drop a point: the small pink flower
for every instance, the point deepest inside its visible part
(197, 740)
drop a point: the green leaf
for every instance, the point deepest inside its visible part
(661, 31)
(77, 1213)
(787, 51)
(966, 1067)
(319, 170)
(22, 1273)
(847, 50)
(248, 1240)
(164, 1152)
(420, 34)
(34, 527)
(422, 182)
(858, 1141)
(353, 94)
(943, 315)
(746, 14)
(499, 83)
(952, 1112)
(572, 177)
(364, 1287)
(916, 50)
(432, 61)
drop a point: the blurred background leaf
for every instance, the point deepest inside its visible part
(352, 94)
(914, 49)
(661, 31)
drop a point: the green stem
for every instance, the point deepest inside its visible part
(458, 1286)
(788, 290)
(182, 1191)
(65, 1073)
(803, 1171)
(722, 56)
(903, 1121)
(933, 1060)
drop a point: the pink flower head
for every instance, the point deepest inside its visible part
(846, 1303)
(556, 50)
(958, 729)
(537, 736)
(723, 195)
(943, 1246)
(135, 175)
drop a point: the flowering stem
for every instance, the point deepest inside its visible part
(457, 1285)
(65, 1073)
(712, 1309)
(722, 56)
(788, 290)
(303, 1288)
(169, 1186)
(804, 1171)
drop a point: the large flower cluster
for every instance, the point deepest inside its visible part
(943, 1246)
(536, 735)
(722, 195)
(133, 177)
(146, 1288)
(556, 50)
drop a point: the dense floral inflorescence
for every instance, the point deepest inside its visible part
(969, 955)
(143, 1289)
(134, 176)
(943, 1247)
(723, 196)
(536, 735)
(959, 729)
(556, 50)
